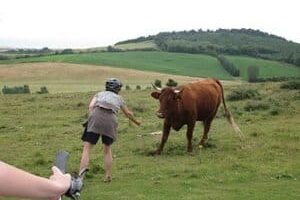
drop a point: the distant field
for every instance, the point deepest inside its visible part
(137, 45)
(267, 68)
(65, 77)
(169, 63)
(194, 65)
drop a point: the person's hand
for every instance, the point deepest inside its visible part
(138, 122)
(61, 181)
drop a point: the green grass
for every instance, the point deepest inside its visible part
(64, 77)
(267, 68)
(195, 65)
(264, 166)
(170, 63)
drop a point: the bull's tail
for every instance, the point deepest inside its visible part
(228, 114)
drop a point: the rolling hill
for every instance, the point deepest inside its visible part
(67, 77)
(187, 53)
(195, 65)
(246, 42)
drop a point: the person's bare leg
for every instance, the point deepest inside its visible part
(107, 155)
(85, 158)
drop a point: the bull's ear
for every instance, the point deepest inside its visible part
(155, 94)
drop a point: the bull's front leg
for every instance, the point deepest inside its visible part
(164, 138)
(189, 136)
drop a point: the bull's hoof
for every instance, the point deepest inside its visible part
(206, 145)
(190, 150)
(154, 153)
(202, 142)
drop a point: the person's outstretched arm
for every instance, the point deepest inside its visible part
(18, 183)
(129, 114)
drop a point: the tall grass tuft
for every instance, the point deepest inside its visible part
(241, 94)
(292, 85)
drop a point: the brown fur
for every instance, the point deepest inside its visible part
(197, 101)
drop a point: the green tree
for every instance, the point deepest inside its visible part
(171, 83)
(157, 83)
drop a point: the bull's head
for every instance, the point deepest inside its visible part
(168, 98)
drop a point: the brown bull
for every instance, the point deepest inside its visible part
(198, 101)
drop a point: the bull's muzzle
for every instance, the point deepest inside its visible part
(160, 115)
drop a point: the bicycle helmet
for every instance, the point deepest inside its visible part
(113, 85)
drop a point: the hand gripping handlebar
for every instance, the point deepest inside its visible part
(61, 162)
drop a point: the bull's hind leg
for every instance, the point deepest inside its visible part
(204, 138)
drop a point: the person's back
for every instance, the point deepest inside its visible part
(109, 100)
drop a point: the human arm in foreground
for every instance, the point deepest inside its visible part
(18, 183)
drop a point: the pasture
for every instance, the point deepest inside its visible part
(162, 62)
(65, 78)
(265, 165)
(193, 65)
(138, 45)
(267, 68)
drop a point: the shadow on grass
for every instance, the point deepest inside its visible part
(173, 149)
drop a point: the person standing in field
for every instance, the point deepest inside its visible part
(102, 121)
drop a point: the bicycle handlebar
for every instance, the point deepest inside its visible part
(61, 162)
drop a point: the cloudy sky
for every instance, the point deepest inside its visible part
(92, 23)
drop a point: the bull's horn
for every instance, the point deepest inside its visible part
(177, 91)
(157, 88)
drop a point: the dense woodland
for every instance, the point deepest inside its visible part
(248, 42)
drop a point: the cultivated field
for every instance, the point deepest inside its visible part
(136, 46)
(194, 65)
(64, 77)
(265, 165)
(162, 62)
(267, 68)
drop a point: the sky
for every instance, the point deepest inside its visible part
(98, 23)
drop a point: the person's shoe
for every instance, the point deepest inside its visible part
(107, 179)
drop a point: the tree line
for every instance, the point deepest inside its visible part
(247, 42)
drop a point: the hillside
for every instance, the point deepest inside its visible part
(163, 62)
(66, 78)
(247, 42)
(194, 65)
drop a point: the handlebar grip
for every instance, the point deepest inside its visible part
(61, 160)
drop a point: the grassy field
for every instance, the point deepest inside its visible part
(137, 45)
(195, 65)
(267, 68)
(170, 63)
(265, 165)
(65, 77)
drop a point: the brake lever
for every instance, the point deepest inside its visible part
(61, 161)
(76, 185)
